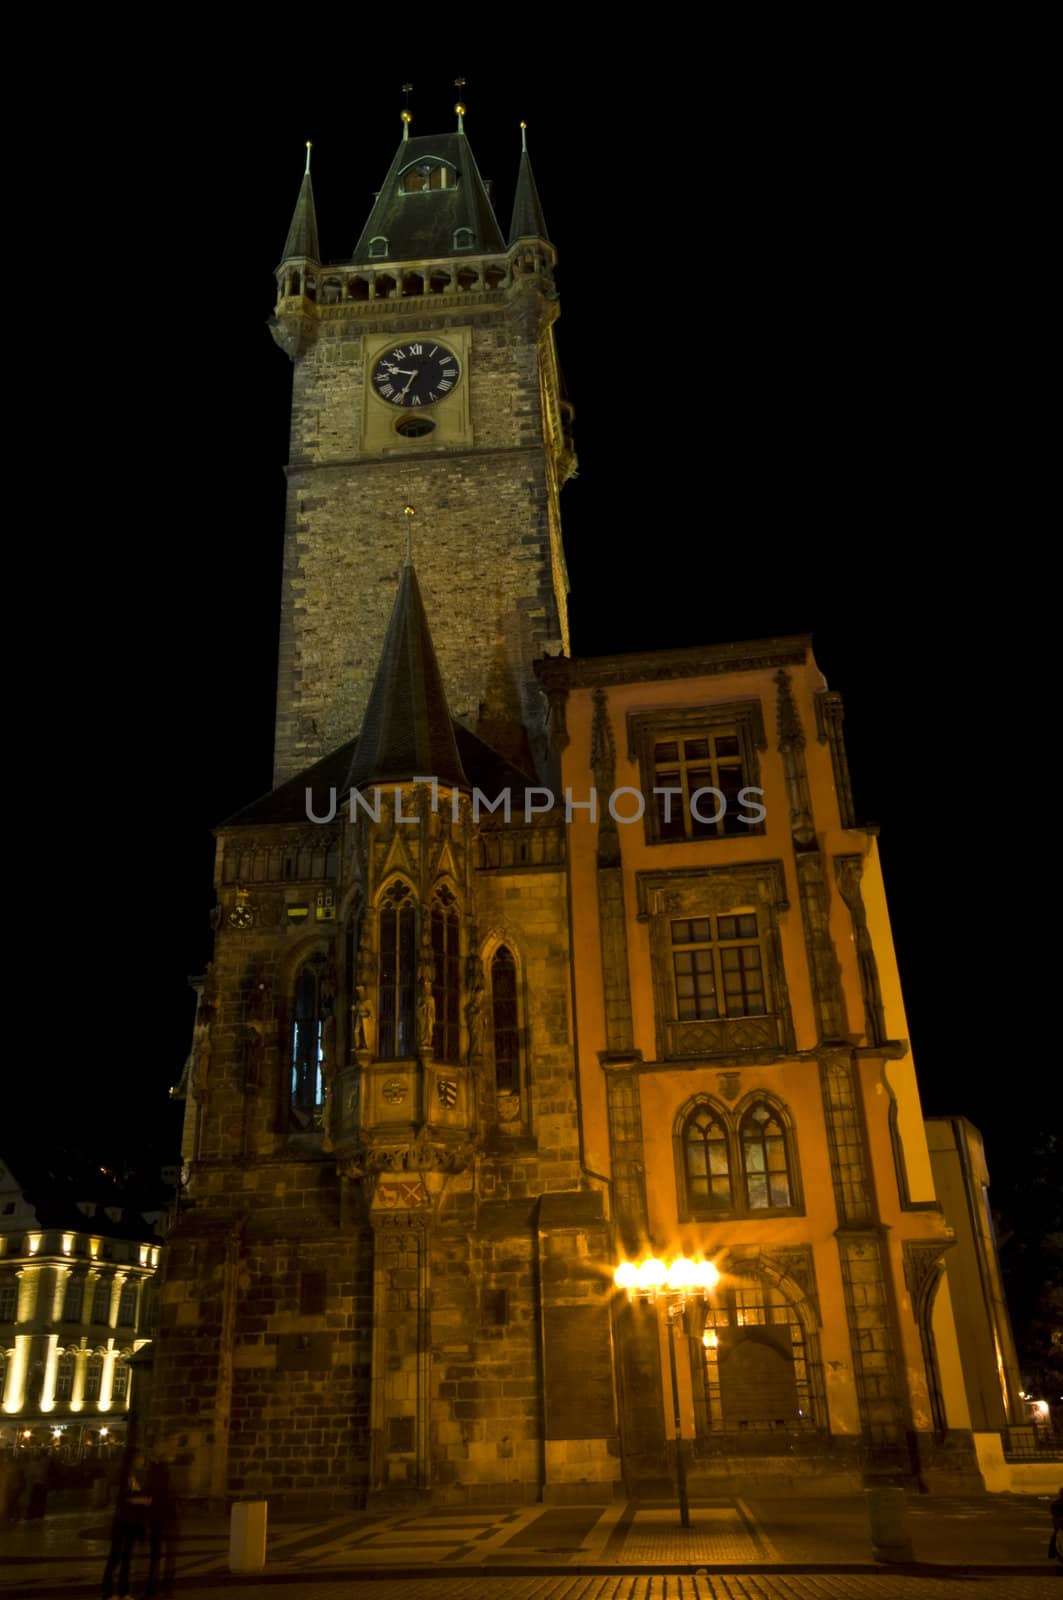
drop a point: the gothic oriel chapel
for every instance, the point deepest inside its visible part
(451, 1066)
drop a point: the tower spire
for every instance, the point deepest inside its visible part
(302, 234)
(407, 730)
(528, 221)
(459, 84)
(406, 114)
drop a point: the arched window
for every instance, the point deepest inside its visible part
(127, 1306)
(64, 1377)
(93, 1376)
(308, 1033)
(431, 174)
(378, 247)
(446, 978)
(765, 1167)
(398, 973)
(120, 1381)
(758, 1368)
(504, 1022)
(464, 238)
(707, 1162)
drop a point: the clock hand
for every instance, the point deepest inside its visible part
(404, 392)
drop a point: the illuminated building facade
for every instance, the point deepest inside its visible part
(75, 1307)
(462, 1048)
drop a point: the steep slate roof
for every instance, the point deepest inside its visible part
(487, 771)
(420, 227)
(528, 221)
(302, 235)
(406, 731)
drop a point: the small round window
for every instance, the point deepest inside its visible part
(414, 427)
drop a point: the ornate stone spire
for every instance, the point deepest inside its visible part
(302, 239)
(528, 221)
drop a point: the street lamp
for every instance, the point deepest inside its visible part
(676, 1285)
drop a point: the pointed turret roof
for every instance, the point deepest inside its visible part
(407, 732)
(421, 226)
(528, 221)
(302, 235)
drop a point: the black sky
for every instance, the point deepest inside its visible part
(787, 333)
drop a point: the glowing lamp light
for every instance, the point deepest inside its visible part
(103, 1433)
(27, 1433)
(681, 1274)
(709, 1339)
(706, 1274)
(626, 1276)
(653, 1274)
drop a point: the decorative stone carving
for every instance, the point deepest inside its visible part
(730, 1085)
(447, 1091)
(848, 871)
(792, 750)
(474, 1007)
(830, 716)
(508, 1106)
(394, 1091)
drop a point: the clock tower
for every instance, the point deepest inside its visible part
(425, 369)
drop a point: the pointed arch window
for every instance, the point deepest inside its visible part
(308, 1040)
(446, 977)
(504, 1021)
(765, 1165)
(398, 973)
(742, 1162)
(707, 1162)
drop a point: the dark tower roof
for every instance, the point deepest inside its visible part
(407, 731)
(528, 222)
(302, 235)
(421, 226)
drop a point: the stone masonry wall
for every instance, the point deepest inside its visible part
(482, 539)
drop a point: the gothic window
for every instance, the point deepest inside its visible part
(308, 1036)
(464, 239)
(707, 1162)
(446, 977)
(8, 1299)
(378, 246)
(764, 1162)
(504, 1021)
(757, 1369)
(127, 1306)
(120, 1381)
(719, 967)
(93, 1377)
(101, 1301)
(73, 1299)
(398, 973)
(741, 1162)
(64, 1377)
(708, 748)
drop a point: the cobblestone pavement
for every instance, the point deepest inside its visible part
(716, 1586)
(580, 1552)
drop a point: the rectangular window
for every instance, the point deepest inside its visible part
(8, 1299)
(73, 1299)
(682, 768)
(93, 1374)
(120, 1383)
(64, 1378)
(101, 1301)
(718, 967)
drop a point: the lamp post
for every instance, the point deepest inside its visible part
(674, 1285)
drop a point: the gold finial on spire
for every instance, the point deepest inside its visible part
(524, 137)
(309, 147)
(459, 84)
(409, 513)
(406, 114)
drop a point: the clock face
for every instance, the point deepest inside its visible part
(416, 374)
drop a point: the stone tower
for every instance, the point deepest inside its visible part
(425, 368)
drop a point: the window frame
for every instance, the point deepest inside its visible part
(650, 726)
(732, 1119)
(695, 893)
(398, 899)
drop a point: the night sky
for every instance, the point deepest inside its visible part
(806, 303)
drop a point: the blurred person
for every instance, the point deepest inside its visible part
(130, 1524)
